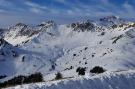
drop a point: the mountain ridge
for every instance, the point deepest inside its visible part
(49, 48)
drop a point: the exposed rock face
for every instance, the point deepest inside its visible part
(84, 26)
(47, 24)
(7, 49)
(111, 21)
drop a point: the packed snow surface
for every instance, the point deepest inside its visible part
(108, 80)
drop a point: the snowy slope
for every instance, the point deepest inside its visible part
(8, 54)
(50, 48)
(108, 80)
(19, 33)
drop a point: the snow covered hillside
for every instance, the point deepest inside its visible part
(108, 80)
(50, 48)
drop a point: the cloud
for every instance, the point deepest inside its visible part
(35, 5)
(35, 8)
(129, 9)
(70, 12)
(6, 3)
(61, 1)
(105, 2)
(62, 10)
(2, 11)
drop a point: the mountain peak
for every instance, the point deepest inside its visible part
(20, 24)
(48, 23)
(109, 18)
(87, 25)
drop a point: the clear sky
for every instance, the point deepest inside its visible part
(62, 11)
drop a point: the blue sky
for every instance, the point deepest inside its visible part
(62, 11)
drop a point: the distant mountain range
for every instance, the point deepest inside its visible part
(50, 48)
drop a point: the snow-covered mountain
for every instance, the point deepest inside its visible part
(50, 48)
